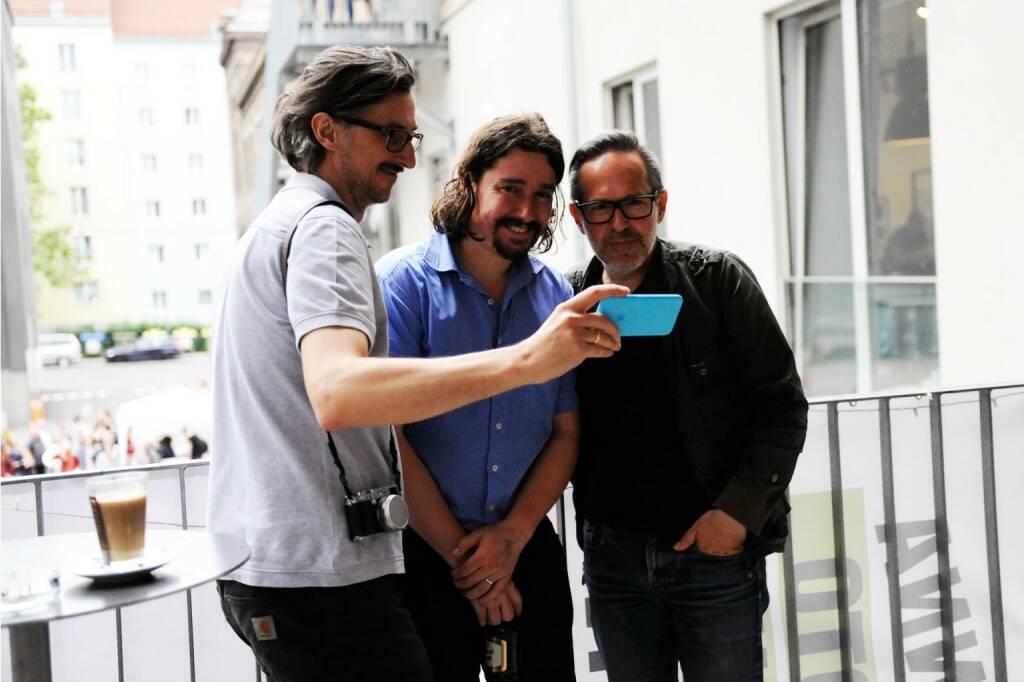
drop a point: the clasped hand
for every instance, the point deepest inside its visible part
(485, 560)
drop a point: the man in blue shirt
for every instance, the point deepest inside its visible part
(481, 479)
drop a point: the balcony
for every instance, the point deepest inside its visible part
(895, 566)
(409, 25)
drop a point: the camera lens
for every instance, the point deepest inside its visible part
(393, 513)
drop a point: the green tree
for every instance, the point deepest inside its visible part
(52, 255)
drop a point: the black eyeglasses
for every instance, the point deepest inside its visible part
(396, 138)
(634, 208)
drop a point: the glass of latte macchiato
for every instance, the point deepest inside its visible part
(119, 509)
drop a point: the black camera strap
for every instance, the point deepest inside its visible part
(341, 470)
(286, 247)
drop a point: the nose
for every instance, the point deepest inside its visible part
(407, 157)
(619, 221)
(524, 210)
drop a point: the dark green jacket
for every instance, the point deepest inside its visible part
(742, 415)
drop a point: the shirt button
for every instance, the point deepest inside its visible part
(775, 478)
(494, 468)
(492, 508)
(490, 301)
(498, 426)
(499, 340)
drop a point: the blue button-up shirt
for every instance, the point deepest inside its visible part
(479, 453)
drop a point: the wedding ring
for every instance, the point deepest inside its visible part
(597, 337)
(489, 582)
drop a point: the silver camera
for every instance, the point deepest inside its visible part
(379, 510)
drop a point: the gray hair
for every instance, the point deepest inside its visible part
(340, 81)
(614, 141)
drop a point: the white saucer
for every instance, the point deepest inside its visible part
(120, 571)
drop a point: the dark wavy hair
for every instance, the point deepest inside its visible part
(614, 141)
(340, 81)
(452, 208)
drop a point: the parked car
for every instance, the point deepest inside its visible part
(144, 349)
(59, 349)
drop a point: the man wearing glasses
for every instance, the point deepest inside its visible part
(304, 464)
(688, 441)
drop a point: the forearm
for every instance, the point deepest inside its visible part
(548, 477)
(349, 391)
(429, 515)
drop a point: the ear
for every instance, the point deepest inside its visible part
(662, 203)
(575, 213)
(326, 130)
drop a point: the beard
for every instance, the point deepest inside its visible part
(624, 260)
(516, 248)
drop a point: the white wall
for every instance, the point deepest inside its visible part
(509, 58)
(977, 122)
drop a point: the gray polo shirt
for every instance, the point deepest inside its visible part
(272, 479)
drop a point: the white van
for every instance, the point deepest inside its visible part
(59, 349)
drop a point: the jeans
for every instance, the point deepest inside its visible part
(356, 632)
(654, 609)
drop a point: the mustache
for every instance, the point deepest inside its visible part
(625, 234)
(533, 225)
(392, 167)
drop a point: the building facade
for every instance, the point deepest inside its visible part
(136, 157)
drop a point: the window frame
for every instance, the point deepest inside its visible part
(788, 164)
(67, 57)
(79, 201)
(637, 77)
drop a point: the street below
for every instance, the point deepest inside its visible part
(92, 385)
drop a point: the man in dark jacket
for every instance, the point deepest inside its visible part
(688, 440)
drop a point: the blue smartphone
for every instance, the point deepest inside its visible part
(642, 314)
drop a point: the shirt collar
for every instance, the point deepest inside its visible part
(315, 183)
(439, 256)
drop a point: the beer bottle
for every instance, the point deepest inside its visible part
(500, 653)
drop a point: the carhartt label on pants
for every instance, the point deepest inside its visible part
(264, 628)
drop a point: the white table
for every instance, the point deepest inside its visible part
(200, 558)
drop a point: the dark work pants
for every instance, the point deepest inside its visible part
(655, 610)
(447, 622)
(354, 633)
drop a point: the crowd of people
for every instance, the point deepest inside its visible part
(85, 444)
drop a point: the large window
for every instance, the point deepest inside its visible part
(861, 276)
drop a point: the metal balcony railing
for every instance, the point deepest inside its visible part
(895, 459)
